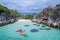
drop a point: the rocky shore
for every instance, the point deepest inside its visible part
(7, 19)
(49, 16)
(48, 23)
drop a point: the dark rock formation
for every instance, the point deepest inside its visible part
(37, 24)
(44, 28)
(34, 24)
(41, 28)
(26, 25)
(7, 18)
(49, 16)
(34, 30)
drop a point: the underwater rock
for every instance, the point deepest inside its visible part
(34, 24)
(38, 25)
(34, 30)
(43, 26)
(26, 25)
(47, 28)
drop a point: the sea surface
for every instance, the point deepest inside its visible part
(8, 32)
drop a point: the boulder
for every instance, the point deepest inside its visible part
(34, 30)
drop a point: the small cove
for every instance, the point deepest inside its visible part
(8, 32)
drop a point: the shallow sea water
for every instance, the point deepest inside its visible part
(8, 32)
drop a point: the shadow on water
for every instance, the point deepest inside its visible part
(25, 35)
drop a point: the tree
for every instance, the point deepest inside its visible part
(4, 9)
(28, 16)
(58, 5)
(14, 12)
(40, 14)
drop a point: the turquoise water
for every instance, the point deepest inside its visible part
(8, 32)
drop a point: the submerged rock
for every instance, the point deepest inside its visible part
(41, 28)
(26, 25)
(44, 28)
(34, 24)
(34, 30)
(37, 25)
(47, 28)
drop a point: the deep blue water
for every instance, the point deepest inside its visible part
(8, 32)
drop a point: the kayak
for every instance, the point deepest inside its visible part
(20, 31)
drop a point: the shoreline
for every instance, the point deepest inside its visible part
(48, 23)
(24, 20)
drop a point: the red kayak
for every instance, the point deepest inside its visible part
(20, 31)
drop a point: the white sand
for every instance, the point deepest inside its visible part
(24, 20)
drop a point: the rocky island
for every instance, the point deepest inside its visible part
(7, 16)
(49, 16)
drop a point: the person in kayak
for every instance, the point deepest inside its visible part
(20, 31)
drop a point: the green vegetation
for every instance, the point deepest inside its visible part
(4, 9)
(53, 12)
(14, 12)
(40, 14)
(58, 5)
(50, 11)
(28, 16)
(49, 16)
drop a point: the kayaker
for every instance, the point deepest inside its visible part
(20, 31)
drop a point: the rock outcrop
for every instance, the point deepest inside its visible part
(7, 19)
(49, 16)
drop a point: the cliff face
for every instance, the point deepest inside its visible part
(7, 19)
(7, 15)
(50, 15)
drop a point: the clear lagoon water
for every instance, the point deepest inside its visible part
(8, 32)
